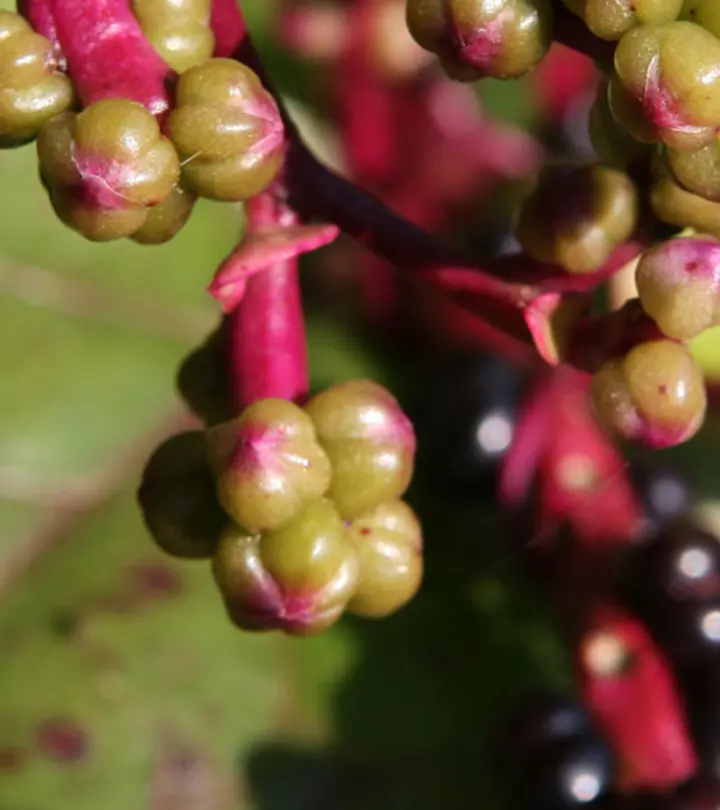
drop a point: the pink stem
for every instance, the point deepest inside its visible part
(228, 26)
(268, 347)
(108, 55)
(40, 15)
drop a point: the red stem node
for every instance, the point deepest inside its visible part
(268, 346)
(108, 55)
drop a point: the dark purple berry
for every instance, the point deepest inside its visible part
(466, 411)
(567, 773)
(663, 491)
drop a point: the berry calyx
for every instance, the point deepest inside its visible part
(105, 166)
(32, 88)
(179, 30)
(678, 282)
(388, 542)
(268, 464)
(577, 215)
(477, 38)
(177, 498)
(370, 442)
(297, 579)
(228, 131)
(655, 394)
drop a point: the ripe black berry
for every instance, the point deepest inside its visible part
(466, 411)
(664, 492)
(567, 773)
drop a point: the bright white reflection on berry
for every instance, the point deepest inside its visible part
(585, 787)
(694, 563)
(711, 625)
(494, 433)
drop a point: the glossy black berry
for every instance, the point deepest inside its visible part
(541, 720)
(664, 492)
(567, 773)
(465, 415)
(679, 564)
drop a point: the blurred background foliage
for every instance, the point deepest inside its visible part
(122, 685)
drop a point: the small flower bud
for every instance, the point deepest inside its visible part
(370, 442)
(228, 131)
(177, 498)
(104, 167)
(477, 38)
(268, 464)
(389, 545)
(678, 283)
(655, 394)
(577, 215)
(298, 578)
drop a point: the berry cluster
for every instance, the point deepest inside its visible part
(656, 114)
(121, 165)
(299, 507)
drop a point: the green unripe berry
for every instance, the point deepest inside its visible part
(32, 88)
(671, 70)
(698, 172)
(228, 131)
(613, 144)
(268, 464)
(179, 30)
(577, 215)
(707, 14)
(677, 206)
(106, 166)
(610, 20)
(389, 546)
(166, 218)
(655, 394)
(298, 578)
(370, 442)
(177, 498)
(477, 38)
(203, 379)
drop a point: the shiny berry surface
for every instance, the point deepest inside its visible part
(32, 88)
(465, 414)
(228, 131)
(388, 541)
(268, 463)
(370, 442)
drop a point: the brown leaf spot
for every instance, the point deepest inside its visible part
(62, 740)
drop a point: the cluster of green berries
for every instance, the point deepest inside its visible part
(113, 169)
(299, 508)
(656, 115)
